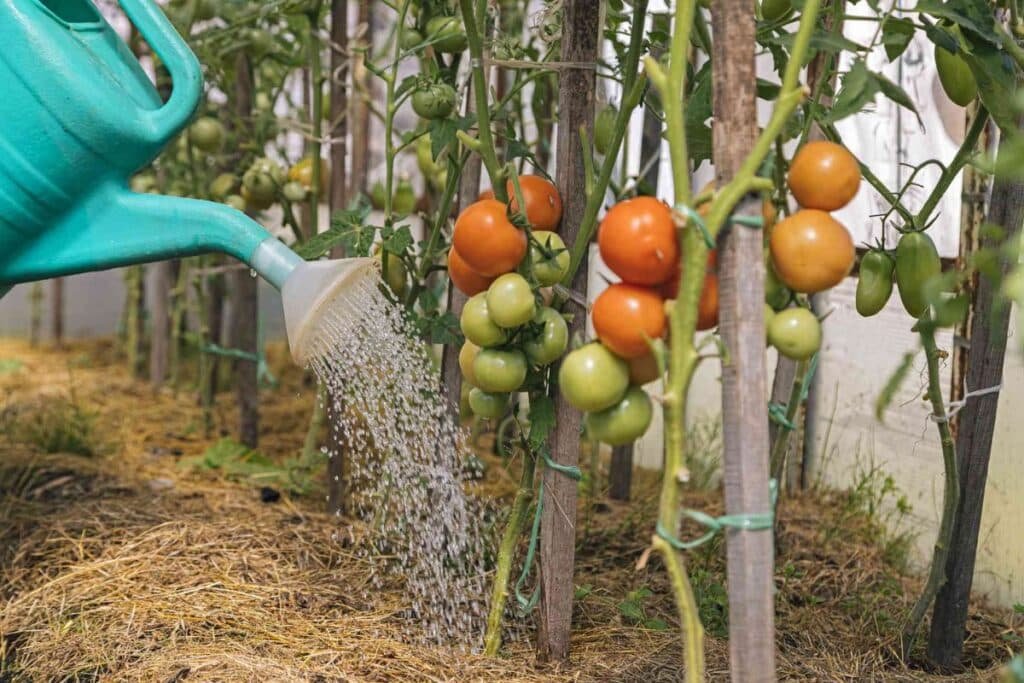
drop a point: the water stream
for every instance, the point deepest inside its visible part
(405, 461)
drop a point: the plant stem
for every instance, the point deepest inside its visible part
(781, 445)
(506, 551)
(476, 53)
(316, 424)
(963, 155)
(683, 356)
(316, 98)
(951, 495)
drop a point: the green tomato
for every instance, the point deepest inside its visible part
(769, 315)
(260, 42)
(955, 76)
(411, 38)
(236, 202)
(207, 134)
(510, 301)
(874, 282)
(404, 201)
(593, 378)
(774, 10)
(477, 325)
(395, 274)
(294, 192)
(624, 422)
(796, 333)
(499, 371)
(604, 128)
(917, 261)
(551, 262)
(377, 195)
(487, 404)
(550, 340)
(434, 100)
(223, 185)
(447, 34)
(467, 354)
(262, 101)
(465, 410)
(776, 294)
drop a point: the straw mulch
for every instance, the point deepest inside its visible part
(124, 566)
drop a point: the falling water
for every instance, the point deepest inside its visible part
(405, 459)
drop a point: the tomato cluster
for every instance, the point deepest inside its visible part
(506, 322)
(810, 250)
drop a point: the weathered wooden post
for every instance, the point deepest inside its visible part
(338, 197)
(986, 352)
(741, 322)
(576, 89)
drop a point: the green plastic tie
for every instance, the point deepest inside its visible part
(263, 374)
(526, 604)
(778, 412)
(754, 222)
(751, 521)
(697, 220)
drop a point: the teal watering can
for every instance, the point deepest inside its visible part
(79, 116)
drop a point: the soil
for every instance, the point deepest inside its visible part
(123, 558)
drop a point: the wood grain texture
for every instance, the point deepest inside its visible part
(750, 554)
(620, 476)
(576, 89)
(983, 368)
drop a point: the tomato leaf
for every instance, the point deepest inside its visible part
(896, 93)
(542, 419)
(974, 15)
(893, 385)
(348, 229)
(896, 35)
(857, 91)
(997, 81)
(398, 241)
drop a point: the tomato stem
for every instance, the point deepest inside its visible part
(951, 494)
(509, 541)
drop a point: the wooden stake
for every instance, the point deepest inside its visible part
(984, 368)
(338, 198)
(576, 90)
(744, 409)
(57, 312)
(245, 298)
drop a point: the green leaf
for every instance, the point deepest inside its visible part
(857, 91)
(974, 15)
(997, 80)
(9, 365)
(399, 241)
(766, 90)
(655, 624)
(442, 134)
(893, 385)
(896, 35)
(896, 93)
(542, 419)
(632, 611)
(583, 591)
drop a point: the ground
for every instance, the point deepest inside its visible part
(120, 560)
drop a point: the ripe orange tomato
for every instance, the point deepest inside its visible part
(485, 194)
(626, 317)
(643, 370)
(707, 306)
(811, 251)
(824, 176)
(638, 241)
(487, 241)
(463, 277)
(543, 203)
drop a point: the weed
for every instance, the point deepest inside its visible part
(59, 425)
(712, 601)
(875, 498)
(633, 610)
(704, 454)
(237, 461)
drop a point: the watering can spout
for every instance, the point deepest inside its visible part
(116, 227)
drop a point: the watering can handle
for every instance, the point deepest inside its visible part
(182, 65)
